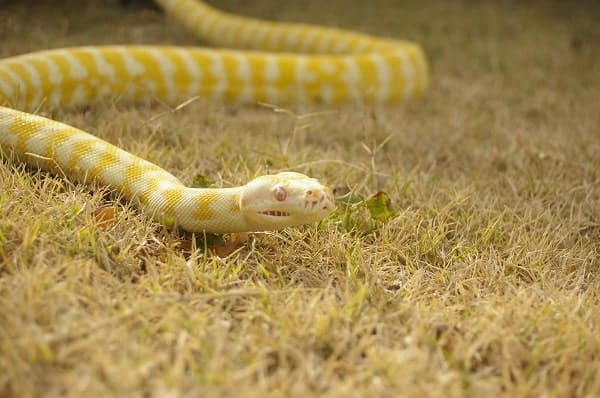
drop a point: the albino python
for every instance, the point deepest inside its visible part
(288, 63)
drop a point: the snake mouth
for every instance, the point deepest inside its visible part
(274, 213)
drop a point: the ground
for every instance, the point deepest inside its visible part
(485, 281)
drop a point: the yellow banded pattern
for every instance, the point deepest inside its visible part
(280, 63)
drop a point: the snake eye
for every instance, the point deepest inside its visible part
(280, 193)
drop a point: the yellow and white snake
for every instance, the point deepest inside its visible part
(289, 63)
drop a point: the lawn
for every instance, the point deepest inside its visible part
(486, 280)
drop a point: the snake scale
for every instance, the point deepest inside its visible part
(277, 63)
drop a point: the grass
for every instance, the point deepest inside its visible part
(486, 281)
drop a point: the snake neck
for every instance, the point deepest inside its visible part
(197, 209)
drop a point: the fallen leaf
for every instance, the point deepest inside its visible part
(105, 217)
(234, 242)
(379, 205)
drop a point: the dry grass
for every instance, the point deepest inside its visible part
(486, 281)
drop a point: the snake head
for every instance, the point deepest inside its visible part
(285, 199)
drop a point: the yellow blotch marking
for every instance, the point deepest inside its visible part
(327, 71)
(265, 77)
(70, 85)
(66, 85)
(58, 137)
(111, 83)
(285, 85)
(42, 70)
(172, 196)
(152, 72)
(126, 84)
(134, 172)
(25, 130)
(209, 32)
(25, 86)
(87, 87)
(257, 66)
(235, 204)
(106, 157)
(368, 83)
(230, 70)
(150, 186)
(397, 82)
(204, 62)
(180, 78)
(203, 211)
(79, 149)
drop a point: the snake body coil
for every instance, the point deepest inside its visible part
(289, 63)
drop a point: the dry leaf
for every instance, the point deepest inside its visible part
(104, 217)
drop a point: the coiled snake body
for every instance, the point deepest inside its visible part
(290, 63)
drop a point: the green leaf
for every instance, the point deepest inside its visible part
(379, 206)
(201, 181)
